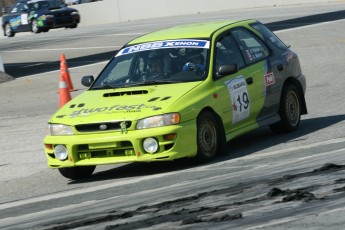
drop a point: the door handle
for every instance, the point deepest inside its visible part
(249, 80)
(280, 67)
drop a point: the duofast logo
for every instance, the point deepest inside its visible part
(113, 109)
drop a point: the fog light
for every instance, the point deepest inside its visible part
(60, 152)
(150, 145)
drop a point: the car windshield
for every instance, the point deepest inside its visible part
(162, 62)
(43, 5)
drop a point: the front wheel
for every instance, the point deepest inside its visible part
(77, 173)
(207, 137)
(8, 30)
(34, 27)
(73, 26)
(289, 111)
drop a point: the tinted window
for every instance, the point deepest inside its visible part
(269, 35)
(171, 61)
(251, 47)
(227, 53)
(19, 7)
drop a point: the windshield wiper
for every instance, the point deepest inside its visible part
(150, 82)
(107, 86)
(142, 83)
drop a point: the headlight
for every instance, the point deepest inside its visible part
(158, 121)
(60, 130)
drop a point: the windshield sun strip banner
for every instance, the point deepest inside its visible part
(183, 43)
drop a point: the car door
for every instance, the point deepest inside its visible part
(19, 17)
(241, 91)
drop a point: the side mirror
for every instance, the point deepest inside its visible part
(87, 80)
(225, 70)
(4, 10)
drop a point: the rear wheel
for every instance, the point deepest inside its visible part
(208, 137)
(34, 27)
(289, 111)
(77, 173)
(8, 30)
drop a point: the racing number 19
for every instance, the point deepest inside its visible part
(244, 101)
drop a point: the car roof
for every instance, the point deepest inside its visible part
(195, 30)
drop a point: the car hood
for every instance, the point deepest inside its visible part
(128, 104)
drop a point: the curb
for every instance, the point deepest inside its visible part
(4, 77)
(2, 69)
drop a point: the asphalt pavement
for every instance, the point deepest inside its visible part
(266, 182)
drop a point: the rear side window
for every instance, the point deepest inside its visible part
(252, 48)
(269, 35)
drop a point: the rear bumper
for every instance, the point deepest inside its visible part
(58, 22)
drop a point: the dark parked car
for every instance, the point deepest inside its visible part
(38, 16)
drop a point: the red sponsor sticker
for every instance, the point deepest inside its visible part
(249, 55)
(269, 79)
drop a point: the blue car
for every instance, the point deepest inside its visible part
(38, 16)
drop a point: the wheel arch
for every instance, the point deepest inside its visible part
(295, 82)
(31, 21)
(7, 22)
(223, 147)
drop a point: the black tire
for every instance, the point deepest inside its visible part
(289, 110)
(45, 30)
(208, 137)
(34, 27)
(8, 30)
(77, 173)
(73, 26)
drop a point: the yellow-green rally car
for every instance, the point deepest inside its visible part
(181, 92)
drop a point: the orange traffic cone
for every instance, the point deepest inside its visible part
(65, 73)
(64, 94)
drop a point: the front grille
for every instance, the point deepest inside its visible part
(99, 127)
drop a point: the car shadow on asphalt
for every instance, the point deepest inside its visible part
(258, 140)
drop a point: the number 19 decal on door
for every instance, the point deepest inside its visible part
(239, 98)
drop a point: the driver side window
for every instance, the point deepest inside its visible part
(228, 53)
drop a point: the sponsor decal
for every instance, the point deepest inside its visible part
(249, 54)
(15, 22)
(290, 56)
(24, 19)
(186, 43)
(240, 102)
(113, 109)
(269, 79)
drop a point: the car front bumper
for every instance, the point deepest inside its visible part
(117, 147)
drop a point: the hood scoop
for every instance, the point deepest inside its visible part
(161, 99)
(126, 93)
